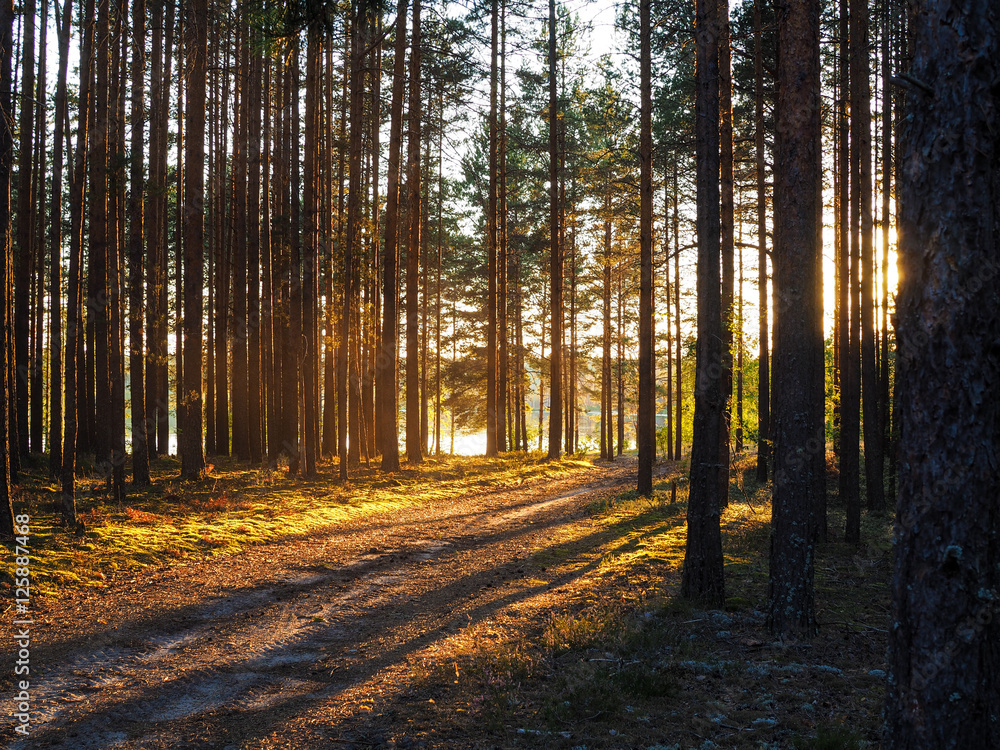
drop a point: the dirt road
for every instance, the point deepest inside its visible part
(303, 644)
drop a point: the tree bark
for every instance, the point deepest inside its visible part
(944, 660)
(702, 577)
(763, 364)
(414, 452)
(850, 390)
(555, 254)
(140, 425)
(25, 249)
(55, 245)
(6, 267)
(799, 447)
(193, 217)
(646, 412)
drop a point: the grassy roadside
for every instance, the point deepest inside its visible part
(620, 661)
(233, 507)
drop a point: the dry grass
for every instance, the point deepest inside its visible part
(232, 507)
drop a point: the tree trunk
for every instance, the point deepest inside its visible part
(55, 245)
(861, 116)
(413, 447)
(491, 243)
(726, 239)
(646, 411)
(763, 364)
(944, 662)
(254, 82)
(555, 254)
(677, 306)
(6, 268)
(850, 391)
(115, 257)
(799, 447)
(140, 452)
(39, 183)
(239, 227)
(97, 281)
(74, 298)
(25, 249)
(385, 373)
(310, 251)
(196, 37)
(702, 578)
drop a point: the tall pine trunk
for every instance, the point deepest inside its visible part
(193, 218)
(646, 412)
(799, 446)
(414, 451)
(140, 425)
(702, 577)
(555, 254)
(944, 660)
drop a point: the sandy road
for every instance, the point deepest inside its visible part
(296, 644)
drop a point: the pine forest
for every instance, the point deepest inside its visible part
(500, 373)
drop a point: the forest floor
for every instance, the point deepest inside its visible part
(517, 605)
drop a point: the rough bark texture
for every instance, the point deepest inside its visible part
(702, 576)
(799, 448)
(944, 643)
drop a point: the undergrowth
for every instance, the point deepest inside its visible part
(232, 507)
(621, 661)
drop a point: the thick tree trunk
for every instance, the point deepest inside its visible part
(799, 447)
(702, 578)
(944, 657)
(193, 217)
